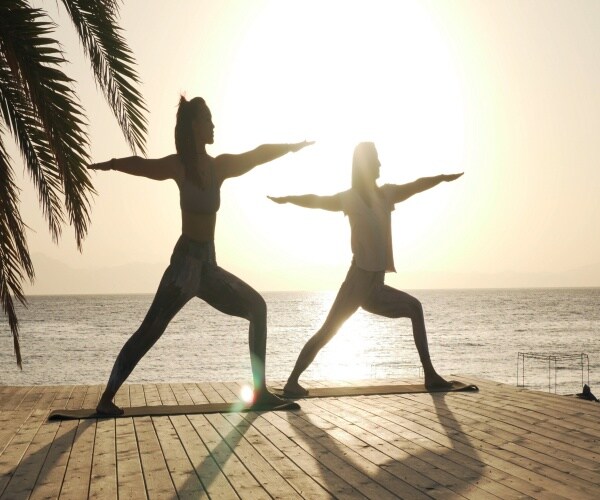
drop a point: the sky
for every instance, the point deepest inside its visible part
(505, 91)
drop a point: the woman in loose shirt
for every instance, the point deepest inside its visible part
(368, 207)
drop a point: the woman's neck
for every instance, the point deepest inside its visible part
(201, 149)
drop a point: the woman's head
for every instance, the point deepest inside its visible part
(193, 130)
(365, 165)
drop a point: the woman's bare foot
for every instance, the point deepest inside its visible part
(294, 390)
(435, 381)
(267, 399)
(109, 409)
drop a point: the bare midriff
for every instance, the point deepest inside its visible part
(198, 227)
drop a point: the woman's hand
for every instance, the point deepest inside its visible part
(452, 177)
(105, 165)
(300, 145)
(279, 199)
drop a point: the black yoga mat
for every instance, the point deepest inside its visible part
(372, 390)
(166, 410)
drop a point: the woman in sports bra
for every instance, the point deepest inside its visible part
(193, 270)
(368, 207)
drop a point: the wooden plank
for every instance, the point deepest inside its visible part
(501, 442)
(77, 476)
(196, 395)
(50, 480)
(181, 395)
(30, 400)
(207, 469)
(12, 396)
(403, 433)
(10, 422)
(136, 395)
(122, 397)
(338, 459)
(181, 470)
(130, 479)
(420, 465)
(563, 410)
(26, 472)
(261, 470)
(238, 476)
(566, 421)
(534, 436)
(296, 477)
(62, 396)
(523, 443)
(49, 393)
(399, 468)
(211, 395)
(156, 474)
(227, 392)
(92, 396)
(76, 397)
(166, 394)
(17, 447)
(295, 450)
(103, 476)
(151, 394)
(512, 462)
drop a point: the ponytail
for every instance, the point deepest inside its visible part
(185, 144)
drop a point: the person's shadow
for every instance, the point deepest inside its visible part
(388, 447)
(39, 467)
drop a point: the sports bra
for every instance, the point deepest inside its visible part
(196, 200)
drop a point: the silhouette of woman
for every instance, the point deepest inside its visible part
(193, 270)
(368, 207)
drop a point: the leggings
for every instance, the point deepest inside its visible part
(366, 289)
(193, 272)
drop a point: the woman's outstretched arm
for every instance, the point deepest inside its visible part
(401, 192)
(332, 203)
(230, 165)
(158, 169)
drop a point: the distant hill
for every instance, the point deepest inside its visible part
(56, 277)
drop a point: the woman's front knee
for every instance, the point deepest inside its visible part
(416, 308)
(258, 307)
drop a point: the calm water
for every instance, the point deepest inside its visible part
(74, 339)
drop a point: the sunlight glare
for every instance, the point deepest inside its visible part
(378, 71)
(247, 394)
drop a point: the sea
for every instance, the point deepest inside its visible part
(544, 339)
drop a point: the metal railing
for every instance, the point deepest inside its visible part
(553, 360)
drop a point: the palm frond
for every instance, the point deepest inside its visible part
(17, 113)
(15, 261)
(39, 108)
(33, 56)
(112, 63)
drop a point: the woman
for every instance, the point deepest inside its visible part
(193, 271)
(368, 208)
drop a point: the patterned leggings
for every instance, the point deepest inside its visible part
(193, 272)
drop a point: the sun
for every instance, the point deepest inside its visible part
(338, 73)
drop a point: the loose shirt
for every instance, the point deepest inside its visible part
(371, 229)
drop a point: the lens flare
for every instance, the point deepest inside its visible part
(247, 394)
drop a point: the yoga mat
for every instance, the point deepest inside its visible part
(373, 390)
(165, 410)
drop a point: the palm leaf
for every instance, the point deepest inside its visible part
(112, 64)
(39, 108)
(14, 254)
(17, 113)
(33, 57)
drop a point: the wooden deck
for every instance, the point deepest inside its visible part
(500, 442)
